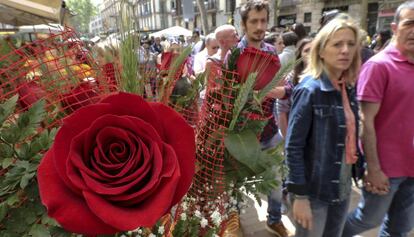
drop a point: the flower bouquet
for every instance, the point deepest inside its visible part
(229, 154)
(78, 158)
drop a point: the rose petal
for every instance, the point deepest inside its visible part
(181, 137)
(146, 214)
(65, 206)
(170, 167)
(134, 106)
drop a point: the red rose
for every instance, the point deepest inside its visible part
(29, 93)
(117, 165)
(253, 60)
(82, 95)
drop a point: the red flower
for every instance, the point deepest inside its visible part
(29, 93)
(80, 96)
(254, 60)
(117, 165)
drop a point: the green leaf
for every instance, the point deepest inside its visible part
(31, 119)
(46, 220)
(6, 151)
(59, 232)
(234, 56)
(7, 162)
(244, 147)
(26, 124)
(13, 199)
(39, 231)
(7, 108)
(3, 210)
(26, 179)
(242, 98)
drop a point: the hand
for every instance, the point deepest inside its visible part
(375, 181)
(302, 213)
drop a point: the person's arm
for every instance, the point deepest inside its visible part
(375, 180)
(300, 123)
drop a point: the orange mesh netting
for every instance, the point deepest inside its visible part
(57, 69)
(175, 89)
(215, 117)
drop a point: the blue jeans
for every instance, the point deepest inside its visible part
(275, 196)
(274, 209)
(395, 211)
(328, 219)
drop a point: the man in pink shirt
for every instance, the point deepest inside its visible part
(386, 93)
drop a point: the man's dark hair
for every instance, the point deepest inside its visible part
(290, 38)
(300, 30)
(197, 32)
(406, 5)
(257, 5)
(271, 38)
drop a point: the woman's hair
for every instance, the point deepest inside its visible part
(299, 67)
(316, 64)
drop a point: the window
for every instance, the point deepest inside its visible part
(213, 20)
(307, 17)
(228, 6)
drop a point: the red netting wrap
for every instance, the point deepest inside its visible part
(173, 86)
(215, 118)
(58, 69)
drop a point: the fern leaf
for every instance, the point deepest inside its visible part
(7, 108)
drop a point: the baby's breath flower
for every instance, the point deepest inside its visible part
(185, 206)
(183, 216)
(203, 222)
(197, 213)
(216, 218)
(161, 230)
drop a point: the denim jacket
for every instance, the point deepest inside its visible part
(315, 141)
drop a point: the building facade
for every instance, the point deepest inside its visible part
(96, 26)
(155, 15)
(378, 16)
(110, 14)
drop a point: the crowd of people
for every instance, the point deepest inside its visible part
(344, 111)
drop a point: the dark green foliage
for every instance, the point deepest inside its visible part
(22, 146)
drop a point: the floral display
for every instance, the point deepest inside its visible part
(114, 149)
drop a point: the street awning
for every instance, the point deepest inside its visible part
(172, 31)
(31, 12)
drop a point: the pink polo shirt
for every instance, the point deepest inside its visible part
(388, 79)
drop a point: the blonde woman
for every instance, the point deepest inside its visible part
(321, 137)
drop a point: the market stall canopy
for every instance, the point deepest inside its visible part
(32, 12)
(172, 32)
